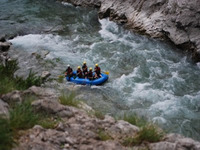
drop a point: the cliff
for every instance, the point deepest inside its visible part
(177, 21)
(80, 129)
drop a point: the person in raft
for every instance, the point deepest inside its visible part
(97, 71)
(79, 73)
(85, 69)
(69, 72)
(90, 74)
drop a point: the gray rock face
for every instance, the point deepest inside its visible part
(172, 19)
(45, 75)
(4, 109)
(175, 142)
(4, 46)
(19, 96)
(79, 130)
(124, 127)
(13, 97)
(52, 107)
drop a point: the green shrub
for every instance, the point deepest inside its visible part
(60, 78)
(99, 114)
(9, 69)
(133, 119)
(48, 122)
(149, 133)
(9, 82)
(22, 116)
(69, 99)
(6, 85)
(6, 139)
(103, 135)
(31, 80)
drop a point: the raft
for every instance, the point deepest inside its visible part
(77, 80)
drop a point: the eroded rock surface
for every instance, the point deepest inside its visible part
(79, 129)
(4, 109)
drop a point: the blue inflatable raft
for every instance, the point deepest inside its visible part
(77, 80)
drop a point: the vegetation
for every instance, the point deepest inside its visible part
(9, 82)
(103, 135)
(48, 123)
(22, 116)
(134, 119)
(149, 133)
(69, 99)
(60, 78)
(6, 138)
(99, 114)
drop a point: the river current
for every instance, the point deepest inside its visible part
(147, 77)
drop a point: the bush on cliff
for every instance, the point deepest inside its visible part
(22, 116)
(6, 139)
(148, 133)
(68, 99)
(133, 119)
(9, 82)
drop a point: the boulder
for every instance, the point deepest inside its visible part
(45, 75)
(13, 97)
(2, 39)
(41, 92)
(4, 58)
(4, 46)
(4, 109)
(107, 145)
(122, 129)
(188, 143)
(52, 107)
(163, 146)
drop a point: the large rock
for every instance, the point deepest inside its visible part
(163, 146)
(52, 107)
(34, 91)
(122, 129)
(45, 75)
(4, 46)
(4, 109)
(13, 97)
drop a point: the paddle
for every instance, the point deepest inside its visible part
(106, 72)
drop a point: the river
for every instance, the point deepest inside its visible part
(147, 76)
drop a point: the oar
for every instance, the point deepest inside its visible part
(106, 72)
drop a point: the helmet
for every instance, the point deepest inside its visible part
(79, 67)
(68, 65)
(90, 68)
(84, 62)
(96, 65)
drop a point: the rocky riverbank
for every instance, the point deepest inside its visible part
(79, 129)
(177, 21)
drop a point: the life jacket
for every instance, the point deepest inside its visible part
(69, 70)
(79, 73)
(97, 70)
(84, 68)
(90, 74)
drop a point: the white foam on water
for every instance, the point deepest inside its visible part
(108, 29)
(33, 42)
(66, 4)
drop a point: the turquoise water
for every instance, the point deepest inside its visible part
(147, 77)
